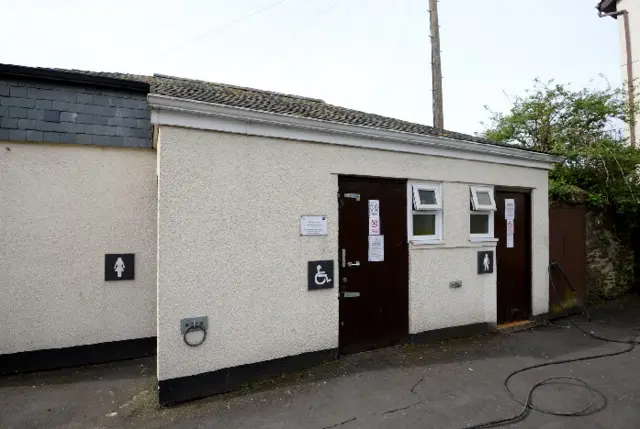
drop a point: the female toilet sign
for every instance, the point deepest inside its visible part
(320, 275)
(119, 266)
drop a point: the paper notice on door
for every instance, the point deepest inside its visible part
(509, 241)
(374, 208)
(374, 217)
(376, 248)
(374, 225)
(509, 209)
(510, 227)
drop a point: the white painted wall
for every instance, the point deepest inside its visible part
(432, 304)
(230, 245)
(633, 7)
(62, 207)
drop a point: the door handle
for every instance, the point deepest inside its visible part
(353, 264)
(350, 294)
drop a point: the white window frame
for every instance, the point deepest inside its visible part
(474, 198)
(417, 203)
(479, 209)
(415, 207)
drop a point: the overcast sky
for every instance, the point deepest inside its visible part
(371, 55)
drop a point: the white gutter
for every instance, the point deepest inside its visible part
(216, 117)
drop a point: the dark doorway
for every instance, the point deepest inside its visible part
(374, 295)
(513, 257)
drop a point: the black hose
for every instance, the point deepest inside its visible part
(528, 403)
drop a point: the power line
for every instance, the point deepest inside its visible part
(313, 22)
(302, 29)
(223, 26)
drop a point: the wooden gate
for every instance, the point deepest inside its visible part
(567, 247)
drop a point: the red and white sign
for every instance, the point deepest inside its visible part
(510, 226)
(510, 230)
(374, 225)
(374, 217)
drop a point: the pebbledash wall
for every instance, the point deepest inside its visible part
(72, 190)
(229, 246)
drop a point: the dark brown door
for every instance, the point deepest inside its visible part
(513, 258)
(374, 295)
(567, 247)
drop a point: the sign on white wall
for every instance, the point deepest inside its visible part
(313, 225)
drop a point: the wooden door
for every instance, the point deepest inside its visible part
(567, 247)
(374, 295)
(513, 258)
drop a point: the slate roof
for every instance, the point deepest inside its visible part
(273, 102)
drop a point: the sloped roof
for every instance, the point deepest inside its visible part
(266, 101)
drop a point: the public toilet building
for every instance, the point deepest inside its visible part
(144, 210)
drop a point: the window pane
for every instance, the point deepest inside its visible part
(483, 198)
(479, 223)
(427, 196)
(424, 224)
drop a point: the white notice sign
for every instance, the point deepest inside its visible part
(313, 225)
(374, 208)
(510, 227)
(376, 248)
(374, 217)
(509, 241)
(509, 209)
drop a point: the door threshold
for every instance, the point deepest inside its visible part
(522, 324)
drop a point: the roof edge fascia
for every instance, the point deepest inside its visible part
(173, 111)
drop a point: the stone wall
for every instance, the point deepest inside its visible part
(609, 259)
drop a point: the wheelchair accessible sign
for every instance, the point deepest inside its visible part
(320, 275)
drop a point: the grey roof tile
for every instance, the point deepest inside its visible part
(274, 102)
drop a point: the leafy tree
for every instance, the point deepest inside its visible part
(585, 126)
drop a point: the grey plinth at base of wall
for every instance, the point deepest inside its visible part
(48, 359)
(463, 331)
(182, 389)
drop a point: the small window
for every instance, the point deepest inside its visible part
(424, 224)
(425, 212)
(426, 197)
(482, 211)
(479, 223)
(482, 198)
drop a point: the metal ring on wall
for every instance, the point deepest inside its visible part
(194, 328)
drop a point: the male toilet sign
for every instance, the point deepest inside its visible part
(119, 266)
(485, 262)
(320, 275)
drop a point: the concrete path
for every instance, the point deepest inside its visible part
(444, 385)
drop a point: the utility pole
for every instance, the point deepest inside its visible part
(436, 66)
